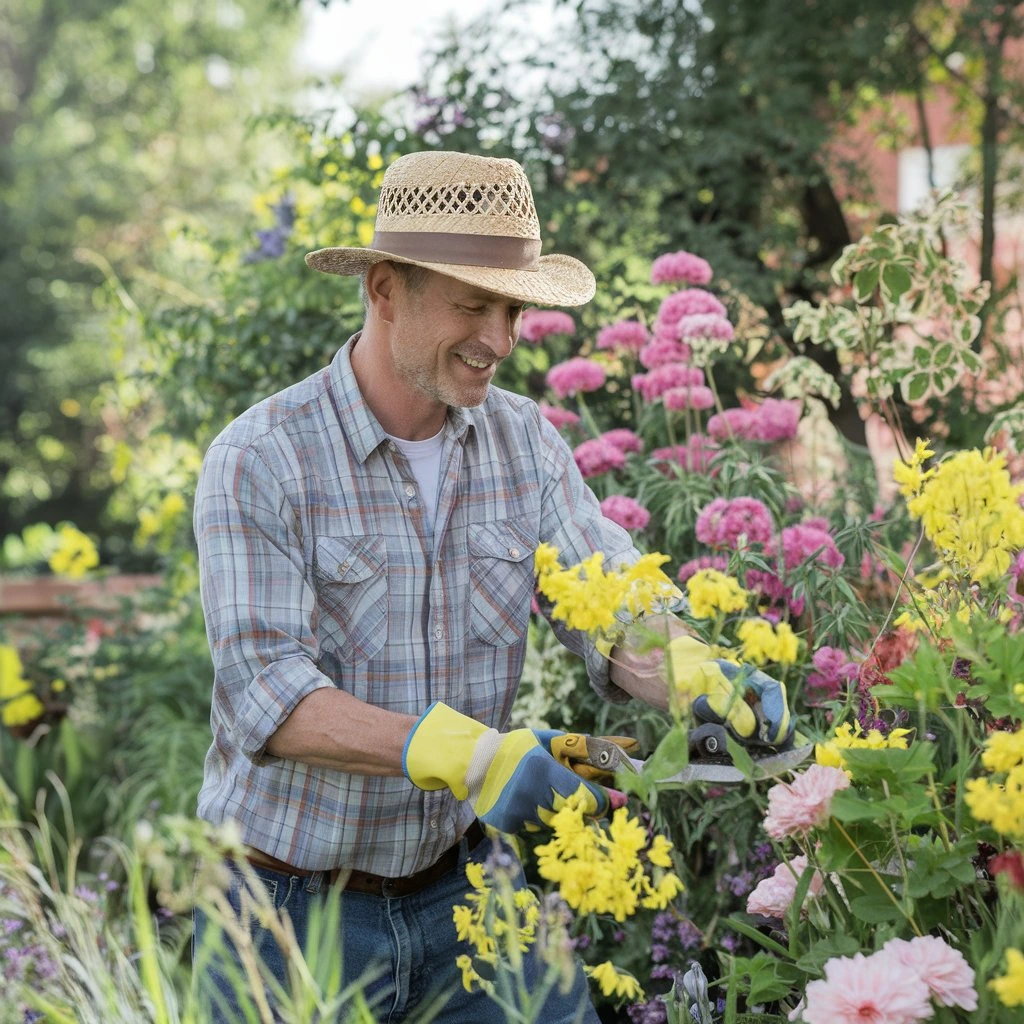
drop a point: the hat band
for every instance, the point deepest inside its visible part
(498, 251)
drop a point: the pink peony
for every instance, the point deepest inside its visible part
(539, 323)
(557, 416)
(629, 514)
(689, 302)
(575, 375)
(654, 384)
(866, 990)
(680, 267)
(773, 896)
(722, 522)
(663, 351)
(797, 807)
(598, 456)
(628, 334)
(705, 325)
(801, 542)
(624, 439)
(949, 977)
(699, 398)
(687, 569)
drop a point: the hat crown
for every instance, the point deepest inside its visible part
(457, 193)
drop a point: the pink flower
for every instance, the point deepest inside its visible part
(949, 977)
(773, 420)
(539, 323)
(575, 375)
(722, 522)
(736, 422)
(629, 514)
(834, 672)
(623, 439)
(694, 456)
(801, 542)
(689, 302)
(687, 569)
(866, 990)
(557, 416)
(773, 896)
(705, 325)
(654, 384)
(699, 398)
(598, 456)
(663, 351)
(681, 267)
(797, 807)
(772, 587)
(628, 334)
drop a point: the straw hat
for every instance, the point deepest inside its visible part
(468, 217)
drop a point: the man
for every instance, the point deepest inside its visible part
(366, 544)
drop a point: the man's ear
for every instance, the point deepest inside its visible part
(381, 285)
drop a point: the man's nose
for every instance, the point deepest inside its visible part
(500, 335)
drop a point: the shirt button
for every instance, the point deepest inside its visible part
(438, 632)
(410, 490)
(344, 566)
(433, 822)
(514, 552)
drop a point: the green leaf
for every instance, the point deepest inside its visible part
(671, 755)
(915, 387)
(875, 907)
(837, 944)
(897, 767)
(848, 805)
(745, 928)
(896, 281)
(740, 758)
(865, 282)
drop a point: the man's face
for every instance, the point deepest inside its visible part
(447, 338)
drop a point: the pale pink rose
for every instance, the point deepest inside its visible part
(798, 806)
(773, 896)
(867, 990)
(949, 977)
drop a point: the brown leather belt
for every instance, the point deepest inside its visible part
(376, 885)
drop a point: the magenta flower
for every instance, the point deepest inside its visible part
(949, 977)
(706, 325)
(723, 521)
(598, 456)
(801, 542)
(689, 302)
(735, 422)
(773, 896)
(680, 267)
(537, 324)
(699, 398)
(623, 439)
(794, 808)
(833, 673)
(774, 419)
(695, 456)
(628, 334)
(866, 990)
(575, 375)
(557, 416)
(771, 587)
(625, 511)
(663, 351)
(687, 569)
(673, 375)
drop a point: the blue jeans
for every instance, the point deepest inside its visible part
(407, 944)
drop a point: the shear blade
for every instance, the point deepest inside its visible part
(711, 771)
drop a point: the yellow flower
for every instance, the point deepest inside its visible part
(909, 474)
(374, 162)
(614, 983)
(711, 591)
(22, 710)
(58, 685)
(1003, 751)
(76, 554)
(850, 736)
(763, 643)
(12, 672)
(70, 407)
(1010, 987)
(1000, 805)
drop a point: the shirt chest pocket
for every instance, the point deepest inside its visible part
(351, 579)
(500, 580)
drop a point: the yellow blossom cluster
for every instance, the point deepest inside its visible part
(588, 598)
(18, 704)
(484, 922)
(850, 736)
(1000, 803)
(763, 643)
(615, 984)
(1010, 987)
(968, 507)
(162, 523)
(599, 870)
(75, 555)
(711, 591)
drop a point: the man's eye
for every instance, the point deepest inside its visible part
(473, 309)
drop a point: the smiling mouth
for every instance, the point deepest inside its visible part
(476, 364)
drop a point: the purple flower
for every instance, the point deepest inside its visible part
(87, 894)
(687, 569)
(627, 334)
(537, 324)
(659, 952)
(680, 267)
(575, 375)
(273, 241)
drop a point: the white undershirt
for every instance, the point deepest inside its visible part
(425, 462)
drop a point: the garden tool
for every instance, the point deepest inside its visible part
(511, 779)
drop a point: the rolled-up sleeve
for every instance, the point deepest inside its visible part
(256, 599)
(572, 521)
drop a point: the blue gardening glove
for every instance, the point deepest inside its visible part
(746, 700)
(510, 780)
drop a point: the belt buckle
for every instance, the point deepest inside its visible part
(389, 888)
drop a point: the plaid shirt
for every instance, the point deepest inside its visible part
(316, 571)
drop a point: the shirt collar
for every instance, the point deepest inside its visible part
(361, 427)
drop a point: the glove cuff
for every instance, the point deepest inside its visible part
(439, 749)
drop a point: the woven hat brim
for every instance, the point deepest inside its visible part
(558, 280)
